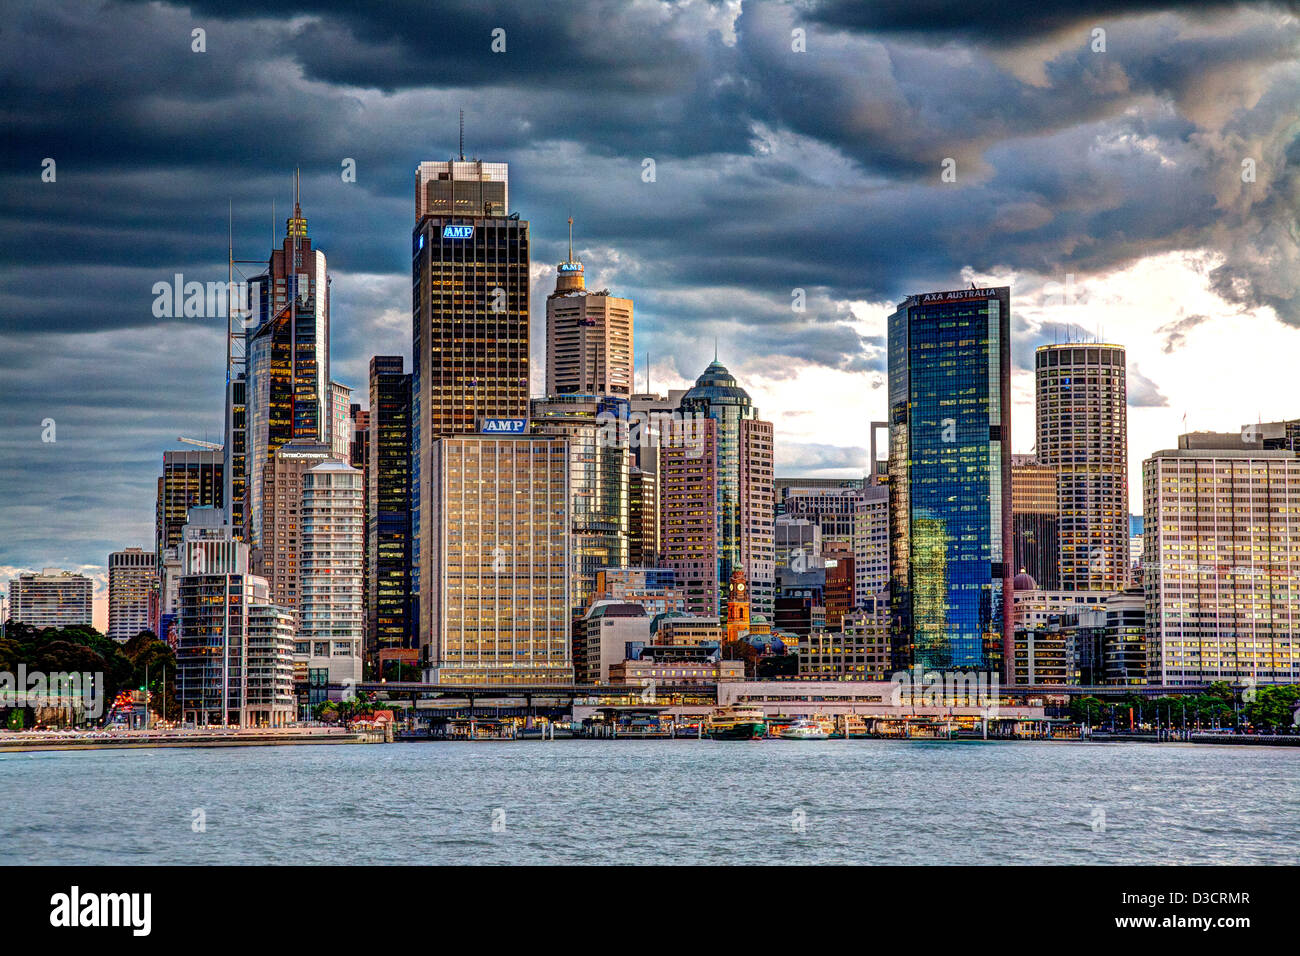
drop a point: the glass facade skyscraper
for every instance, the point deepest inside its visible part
(949, 480)
(390, 628)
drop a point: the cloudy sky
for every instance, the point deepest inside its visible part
(1128, 168)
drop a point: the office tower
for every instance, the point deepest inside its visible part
(234, 451)
(796, 543)
(949, 480)
(1082, 432)
(1135, 525)
(190, 479)
(607, 628)
(52, 598)
(588, 336)
(596, 428)
(169, 596)
(359, 458)
(840, 596)
(871, 545)
(831, 509)
(132, 583)
(1033, 520)
(341, 420)
(497, 586)
(331, 613)
(649, 418)
(470, 333)
(736, 463)
(279, 558)
(1110, 645)
(391, 628)
(233, 664)
(288, 393)
(1221, 552)
(688, 513)
(642, 518)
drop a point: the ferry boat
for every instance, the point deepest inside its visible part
(738, 723)
(804, 729)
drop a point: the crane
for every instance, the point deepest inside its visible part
(211, 446)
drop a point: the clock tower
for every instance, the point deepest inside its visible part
(737, 606)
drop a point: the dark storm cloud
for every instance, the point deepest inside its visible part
(776, 170)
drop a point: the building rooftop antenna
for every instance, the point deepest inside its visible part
(570, 238)
(462, 136)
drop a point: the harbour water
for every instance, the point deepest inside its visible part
(676, 802)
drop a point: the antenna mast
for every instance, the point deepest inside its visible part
(462, 136)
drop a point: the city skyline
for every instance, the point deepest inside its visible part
(1148, 150)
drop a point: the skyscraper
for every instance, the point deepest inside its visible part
(498, 582)
(718, 456)
(331, 614)
(470, 331)
(596, 428)
(288, 392)
(341, 420)
(190, 479)
(588, 336)
(950, 479)
(1221, 563)
(132, 583)
(1082, 432)
(391, 627)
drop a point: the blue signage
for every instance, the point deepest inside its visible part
(457, 232)
(503, 426)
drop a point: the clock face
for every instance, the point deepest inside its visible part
(740, 588)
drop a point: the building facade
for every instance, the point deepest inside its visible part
(331, 613)
(279, 557)
(132, 590)
(1036, 548)
(949, 480)
(52, 598)
(191, 478)
(391, 625)
(588, 336)
(1082, 433)
(1221, 555)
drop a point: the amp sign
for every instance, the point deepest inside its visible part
(457, 232)
(503, 426)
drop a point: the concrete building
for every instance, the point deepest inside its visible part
(1221, 553)
(1110, 642)
(52, 598)
(1082, 432)
(607, 628)
(655, 589)
(341, 421)
(589, 347)
(949, 480)
(796, 543)
(831, 509)
(498, 587)
(858, 649)
(132, 587)
(653, 671)
(871, 543)
(331, 613)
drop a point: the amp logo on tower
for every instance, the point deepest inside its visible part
(457, 232)
(503, 426)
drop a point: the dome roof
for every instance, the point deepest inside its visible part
(1023, 582)
(716, 385)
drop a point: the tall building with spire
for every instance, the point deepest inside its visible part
(588, 336)
(288, 365)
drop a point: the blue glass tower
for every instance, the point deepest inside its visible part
(950, 480)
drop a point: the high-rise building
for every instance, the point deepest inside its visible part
(949, 480)
(642, 518)
(831, 509)
(279, 558)
(331, 614)
(588, 336)
(288, 392)
(391, 626)
(871, 545)
(470, 332)
(495, 600)
(233, 664)
(191, 478)
(359, 458)
(596, 428)
(132, 584)
(655, 589)
(341, 420)
(52, 598)
(1033, 520)
(1220, 564)
(717, 457)
(1082, 432)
